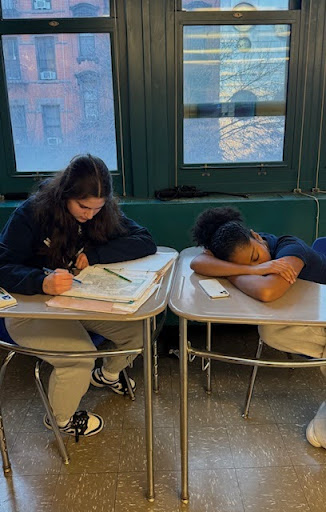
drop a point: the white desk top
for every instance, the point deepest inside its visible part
(303, 303)
(33, 306)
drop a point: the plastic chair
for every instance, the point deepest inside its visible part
(318, 245)
(13, 348)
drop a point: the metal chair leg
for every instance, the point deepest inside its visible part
(49, 412)
(130, 391)
(209, 362)
(252, 381)
(3, 443)
(155, 360)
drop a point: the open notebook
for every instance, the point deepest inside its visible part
(103, 292)
(97, 283)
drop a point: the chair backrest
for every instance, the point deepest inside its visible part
(4, 336)
(319, 244)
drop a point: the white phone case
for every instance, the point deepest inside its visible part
(213, 288)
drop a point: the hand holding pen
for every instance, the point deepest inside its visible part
(57, 281)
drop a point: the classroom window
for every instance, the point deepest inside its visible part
(233, 111)
(228, 5)
(49, 8)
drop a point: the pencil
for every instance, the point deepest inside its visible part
(48, 271)
(118, 275)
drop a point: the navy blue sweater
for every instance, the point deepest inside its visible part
(22, 238)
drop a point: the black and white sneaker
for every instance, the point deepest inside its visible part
(118, 386)
(82, 423)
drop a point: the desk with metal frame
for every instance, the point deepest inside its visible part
(35, 307)
(303, 304)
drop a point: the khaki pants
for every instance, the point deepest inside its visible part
(70, 378)
(297, 339)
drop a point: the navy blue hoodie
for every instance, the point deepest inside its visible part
(22, 238)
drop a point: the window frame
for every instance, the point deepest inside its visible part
(249, 177)
(14, 182)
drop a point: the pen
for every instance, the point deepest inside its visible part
(118, 275)
(48, 271)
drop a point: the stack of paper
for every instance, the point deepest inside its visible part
(123, 291)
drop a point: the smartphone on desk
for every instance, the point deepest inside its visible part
(214, 289)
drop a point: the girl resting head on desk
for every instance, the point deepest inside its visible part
(264, 266)
(73, 220)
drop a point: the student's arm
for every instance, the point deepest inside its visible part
(16, 248)
(266, 288)
(207, 265)
(136, 243)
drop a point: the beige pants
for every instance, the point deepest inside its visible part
(70, 378)
(297, 339)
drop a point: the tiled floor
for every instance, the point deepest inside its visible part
(262, 464)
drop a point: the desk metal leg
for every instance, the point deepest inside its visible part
(3, 442)
(148, 407)
(183, 347)
(155, 358)
(209, 362)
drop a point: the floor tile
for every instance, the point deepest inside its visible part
(271, 490)
(27, 493)
(133, 454)
(254, 446)
(132, 488)
(95, 454)
(216, 491)
(300, 451)
(14, 413)
(91, 493)
(35, 454)
(294, 406)
(233, 404)
(209, 448)
(313, 482)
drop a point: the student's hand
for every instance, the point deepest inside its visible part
(279, 266)
(58, 282)
(81, 261)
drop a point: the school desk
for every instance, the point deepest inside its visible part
(34, 307)
(304, 303)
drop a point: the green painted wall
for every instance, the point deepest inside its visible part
(170, 222)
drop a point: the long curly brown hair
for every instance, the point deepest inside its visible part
(86, 176)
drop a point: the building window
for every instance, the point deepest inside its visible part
(84, 10)
(88, 83)
(11, 57)
(51, 124)
(43, 5)
(87, 47)
(18, 122)
(45, 54)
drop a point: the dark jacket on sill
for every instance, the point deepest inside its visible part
(22, 238)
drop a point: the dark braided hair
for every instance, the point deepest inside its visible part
(221, 230)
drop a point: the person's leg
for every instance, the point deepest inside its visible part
(297, 339)
(310, 341)
(70, 378)
(124, 335)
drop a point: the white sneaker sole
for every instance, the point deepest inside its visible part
(311, 437)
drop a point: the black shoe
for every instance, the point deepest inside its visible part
(82, 423)
(118, 386)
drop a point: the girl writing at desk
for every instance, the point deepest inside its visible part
(72, 221)
(264, 267)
